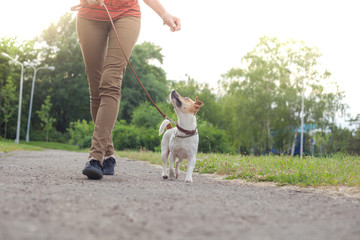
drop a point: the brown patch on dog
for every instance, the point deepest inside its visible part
(189, 106)
(197, 105)
(185, 104)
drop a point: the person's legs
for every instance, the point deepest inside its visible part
(93, 37)
(128, 29)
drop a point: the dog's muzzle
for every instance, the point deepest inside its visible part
(175, 95)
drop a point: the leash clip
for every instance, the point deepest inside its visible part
(172, 121)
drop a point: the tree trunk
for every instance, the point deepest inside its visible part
(252, 146)
(293, 144)
(5, 130)
(258, 147)
(269, 135)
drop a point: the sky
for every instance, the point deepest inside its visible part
(216, 34)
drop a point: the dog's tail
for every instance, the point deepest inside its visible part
(163, 126)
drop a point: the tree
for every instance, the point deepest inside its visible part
(67, 85)
(45, 117)
(355, 140)
(143, 59)
(266, 98)
(190, 88)
(21, 51)
(8, 104)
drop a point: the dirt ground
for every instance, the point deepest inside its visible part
(43, 195)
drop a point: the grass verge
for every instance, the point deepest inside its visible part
(7, 145)
(338, 170)
(58, 146)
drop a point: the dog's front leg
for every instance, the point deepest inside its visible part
(190, 169)
(171, 166)
(164, 157)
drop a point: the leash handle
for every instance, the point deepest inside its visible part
(77, 7)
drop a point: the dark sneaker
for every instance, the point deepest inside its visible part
(93, 169)
(108, 166)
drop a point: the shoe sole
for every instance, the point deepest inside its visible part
(108, 173)
(93, 173)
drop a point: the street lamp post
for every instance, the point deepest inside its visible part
(302, 119)
(301, 114)
(52, 68)
(20, 96)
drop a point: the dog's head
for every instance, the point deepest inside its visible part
(185, 105)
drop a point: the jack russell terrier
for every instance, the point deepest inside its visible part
(182, 141)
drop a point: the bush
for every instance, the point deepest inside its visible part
(54, 136)
(212, 139)
(146, 115)
(81, 133)
(127, 136)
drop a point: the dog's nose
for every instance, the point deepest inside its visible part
(174, 93)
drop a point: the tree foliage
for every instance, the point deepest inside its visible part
(44, 114)
(8, 106)
(256, 109)
(67, 85)
(264, 97)
(152, 77)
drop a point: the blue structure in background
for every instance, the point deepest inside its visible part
(307, 128)
(297, 145)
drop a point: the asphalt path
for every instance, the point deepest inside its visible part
(43, 195)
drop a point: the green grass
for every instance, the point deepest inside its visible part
(152, 157)
(339, 170)
(309, 171)
(58, 146)
(7, 145)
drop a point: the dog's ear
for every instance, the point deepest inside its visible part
(198, 105)
(197, 102)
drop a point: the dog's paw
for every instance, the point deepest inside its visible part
(188, 180)
(165, 176)
(172, 174)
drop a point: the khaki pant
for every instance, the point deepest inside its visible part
(105, 66)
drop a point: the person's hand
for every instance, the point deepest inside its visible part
(173, 22)
(93, 2)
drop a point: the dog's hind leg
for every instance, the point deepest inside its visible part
(164, 157)
(177, 168)
(171, 166)
(190, 169)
